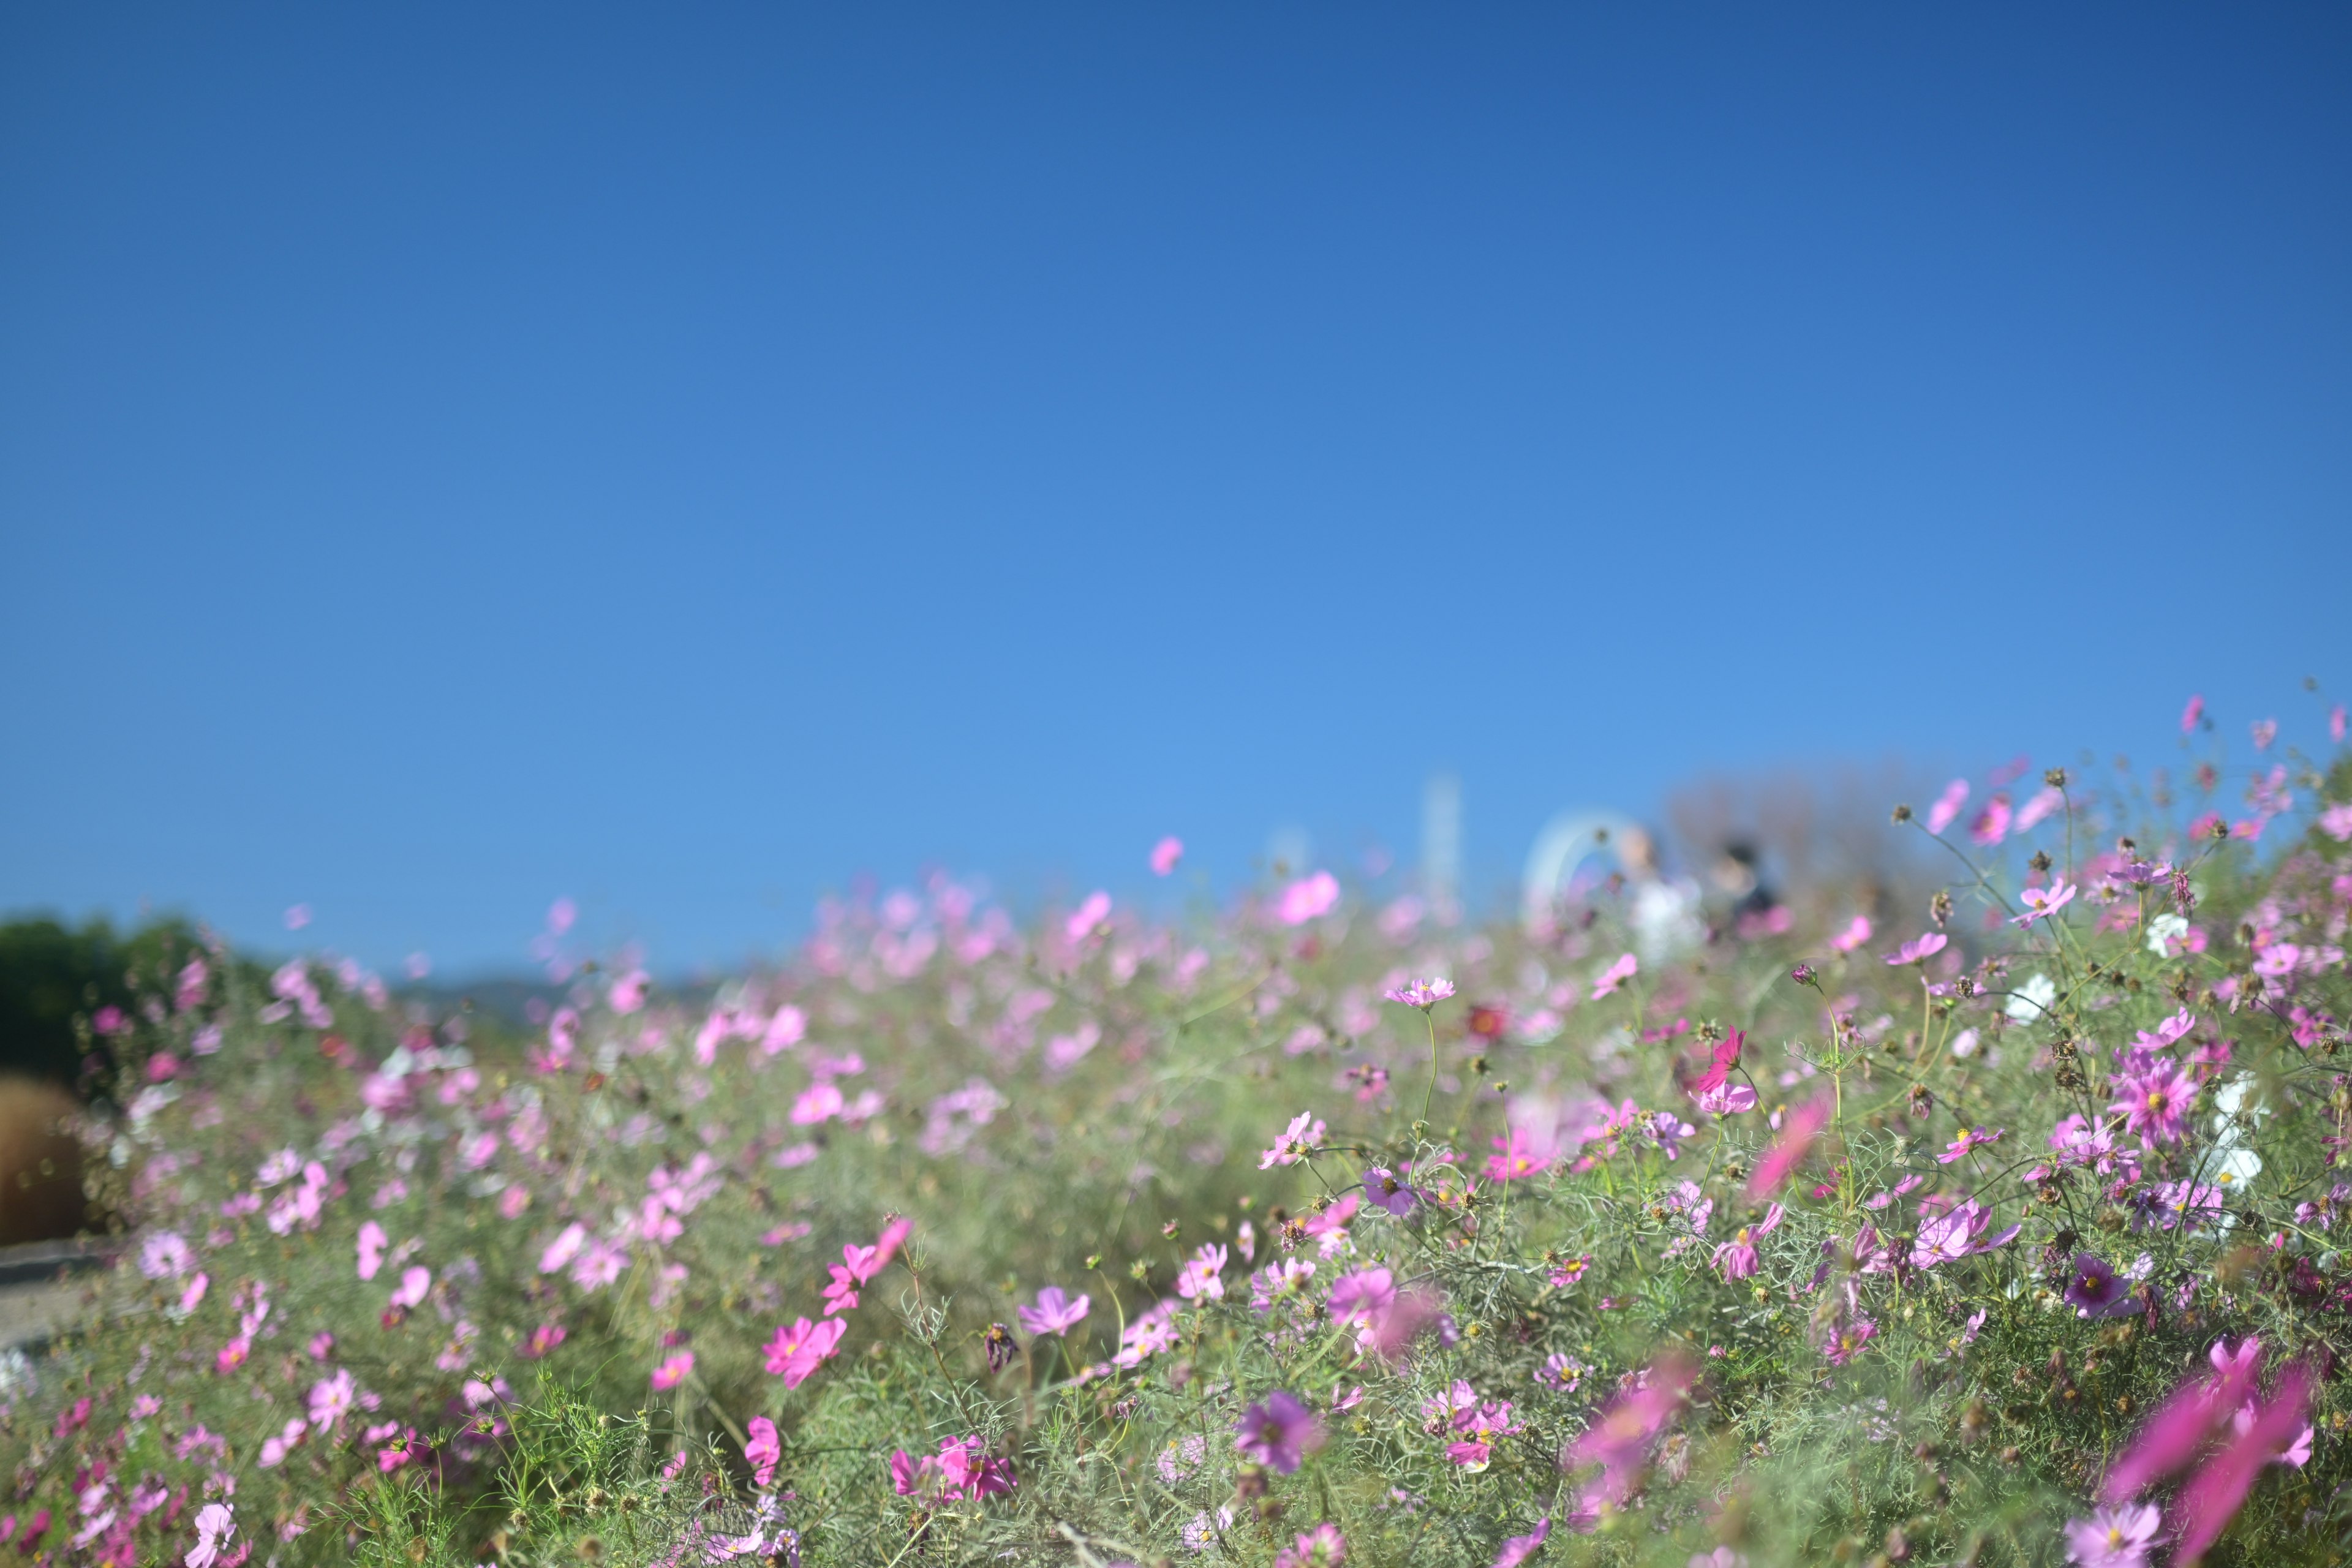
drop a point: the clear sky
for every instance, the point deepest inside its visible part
(686, 457)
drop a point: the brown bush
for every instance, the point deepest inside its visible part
(40, 1162)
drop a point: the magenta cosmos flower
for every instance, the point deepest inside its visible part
(1279, 1433)
(800, 1350)
(1969, 1140)
(1737, 1257)
(2155, 1103)
(1165, 854)
(1422, 994)
(1055, 1312)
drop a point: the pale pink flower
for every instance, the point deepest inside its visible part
(628, 992)
(1198, 1279)
(2265, 731)
(1798, 1130)
(1054, 1313)
(1919, 949)
(2041, 903)
(2114, 1537)
(1615, 975)
(1422, 994)
(1948, 805)
(372, 1241)
(1087, 917)
(1969, 1140)
(1856, 932)
(1306, 899)
(1520, 1548)
(2190, 714)
(818, 1102)
(216, 1522)
(415, 1282)
(2040, 804)
(673, 1370)
(1991, 824)
(1301, 1138)
(1165, 854)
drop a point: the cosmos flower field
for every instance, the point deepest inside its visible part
(1988, 1223)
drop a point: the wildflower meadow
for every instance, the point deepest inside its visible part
(1983, 1216)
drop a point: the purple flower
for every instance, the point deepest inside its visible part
(1422, 994)
(2114, 1537)
(1385, 1190)
(1055, 1312)
(1280, 1433)
(2095, 1289)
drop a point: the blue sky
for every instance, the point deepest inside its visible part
(685, 458)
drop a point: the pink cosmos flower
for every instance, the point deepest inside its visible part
(372, 1241)
(1950, 1237)
(1520, 1548)
(1362, 1296)
(1304, 1135)
(331, 1399)
(2265, 731)
(1724, 1057)
(1422, 994)
(765, 1451)
(1321, 1547)
(2155, 1103)
(1615, 975)
(2041, 903)
(1306, 899)
(1919, 949)
(2212, 1496)
(1165, 854)
(818, 1102)
(1737, 1258)
(1623, 1433)
(1856, 932)
(1278, 1433)
(193, 1291)
(1970, 1139)
(216, 1522)
(2336, 820)
(673, 1370)
(415, 1282)
(600, 1265)
(1088, 916)
(2044, 800)
(2114, 1537)
(1200, 1278)
(1798, 1130)
(1055, 1312)
(1522, 1155)
(1991, 824)
(559, 1252)
(628, 992)
(2335, 723)
(1948, 805)
(800, 1350)
(961, 1470)
(543, 1339)
(1845, 1339)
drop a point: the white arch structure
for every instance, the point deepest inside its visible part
(1567, 842)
